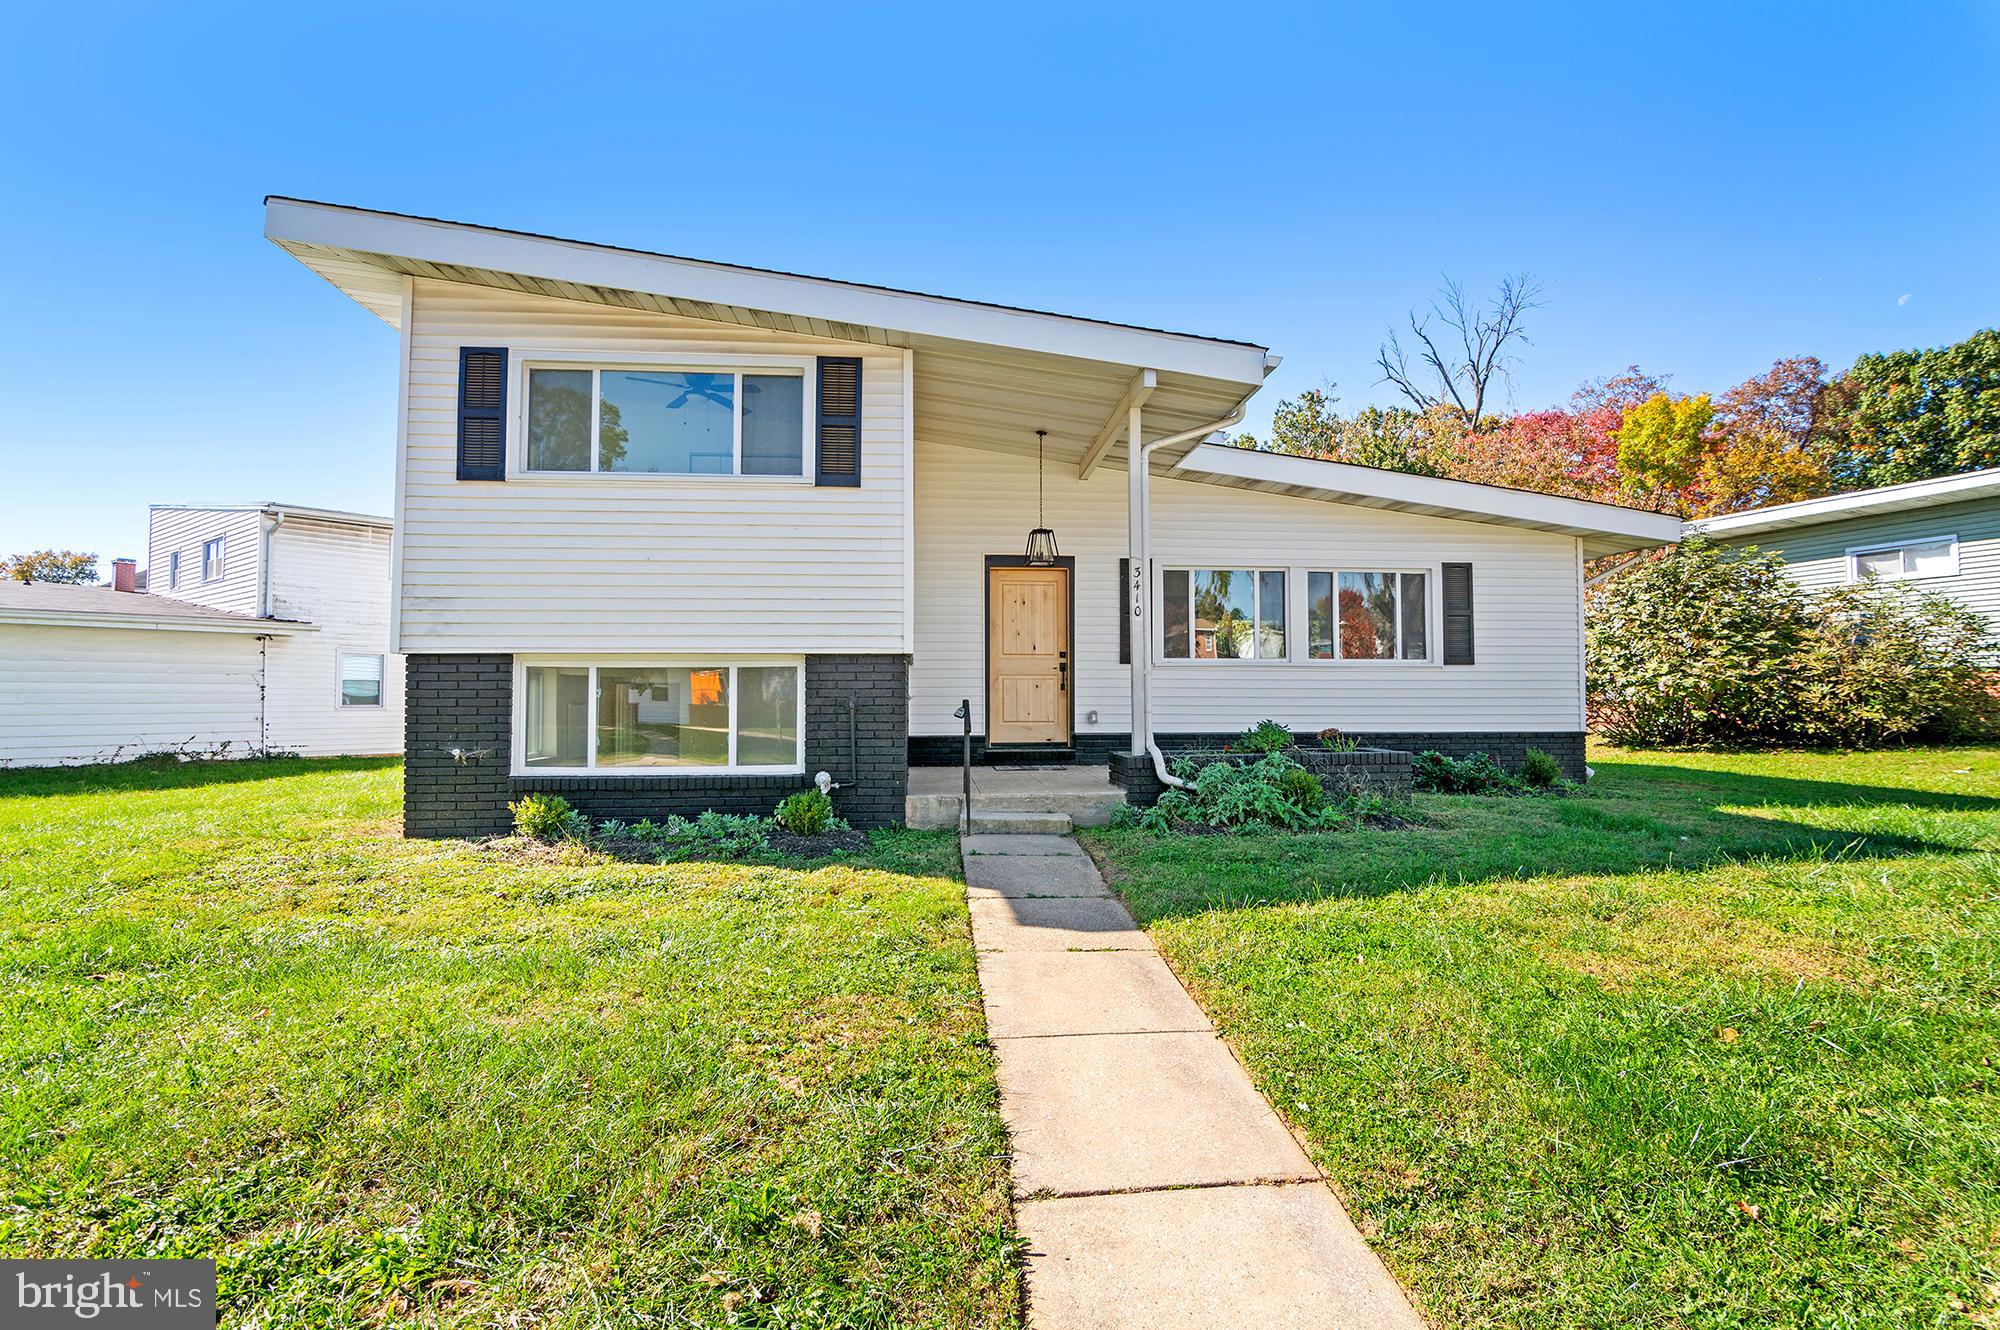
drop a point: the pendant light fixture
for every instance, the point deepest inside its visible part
(1042, 551)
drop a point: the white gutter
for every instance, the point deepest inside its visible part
(1139, 462)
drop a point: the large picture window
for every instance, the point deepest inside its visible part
(661, 718)
(1367, 616)
(1222, 614)
(677, 422)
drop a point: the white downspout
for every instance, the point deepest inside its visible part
(266, 531)
(1139, 498)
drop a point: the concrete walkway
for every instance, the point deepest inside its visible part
(1155, 1186)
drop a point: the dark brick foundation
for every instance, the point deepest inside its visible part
(466, 702)
(1509, 747)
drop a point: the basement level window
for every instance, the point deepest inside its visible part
(665, 718)
(676, 422)
(360, 681)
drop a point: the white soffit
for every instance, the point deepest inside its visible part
(986, 376)
(1605, 528)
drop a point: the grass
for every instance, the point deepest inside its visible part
(1714, 1043)
(396, 1082)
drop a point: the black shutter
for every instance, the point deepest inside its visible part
(482, 413)
(1458, 614)
(839, 421)
(1124, 611)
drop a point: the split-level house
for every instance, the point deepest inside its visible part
(674, 535)
(256, 628)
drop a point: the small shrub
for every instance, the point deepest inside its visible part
(1476, 773)
(807, 813)
(1303, 788)
(1273, 791)
(545, 817)
(1540, 771)
(1266, 736)
(1334, 741)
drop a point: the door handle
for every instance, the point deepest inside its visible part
(1062, 664)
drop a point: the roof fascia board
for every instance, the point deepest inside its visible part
(288, 509)
(155, 622)
(1580, 516)
(1859, 503)
(811, 297)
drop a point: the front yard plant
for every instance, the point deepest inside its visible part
(417, 1083)
(1705, 645)
(802, 825)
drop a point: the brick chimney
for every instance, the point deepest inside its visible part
(124, 575)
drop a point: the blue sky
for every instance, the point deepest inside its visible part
(1702, 189)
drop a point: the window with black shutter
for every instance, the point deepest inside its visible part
(839, 433)
(482, 413)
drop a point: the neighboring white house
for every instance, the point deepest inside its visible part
(677, 534)
(265, 628)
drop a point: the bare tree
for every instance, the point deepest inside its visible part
(1463, 373)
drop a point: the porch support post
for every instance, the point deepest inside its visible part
(1141, 636)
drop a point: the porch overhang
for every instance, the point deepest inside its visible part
(985, 375)
(1603, 528)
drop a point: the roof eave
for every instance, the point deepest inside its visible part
(1603, 528)
(153, 622)
(366, 236)
(1910, 496)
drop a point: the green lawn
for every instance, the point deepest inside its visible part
(395, 1082)
(1715, 1043)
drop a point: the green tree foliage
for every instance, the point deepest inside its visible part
(65, 566)
(1394, 438)
(1662, 443)
(1707, 645)
(1914, 414)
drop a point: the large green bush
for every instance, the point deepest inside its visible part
(1709, 645)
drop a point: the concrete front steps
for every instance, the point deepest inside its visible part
(1016, 801)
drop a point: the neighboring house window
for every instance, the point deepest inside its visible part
(697, 717)
(174, 571)
(211, 560)
(1367, 615)
(677, 422)
(360, 681)
(1928, 558)
(1222, 614)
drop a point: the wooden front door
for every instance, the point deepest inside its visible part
(1027, 656)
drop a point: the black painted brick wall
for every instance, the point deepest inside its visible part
(465, 702)
(1509, 747)
(462, 702)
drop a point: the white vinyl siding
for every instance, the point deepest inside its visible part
(972, 503)
(185, 531)
(72, 695)
(334, 575)
(638, 564)
(1821, 556)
